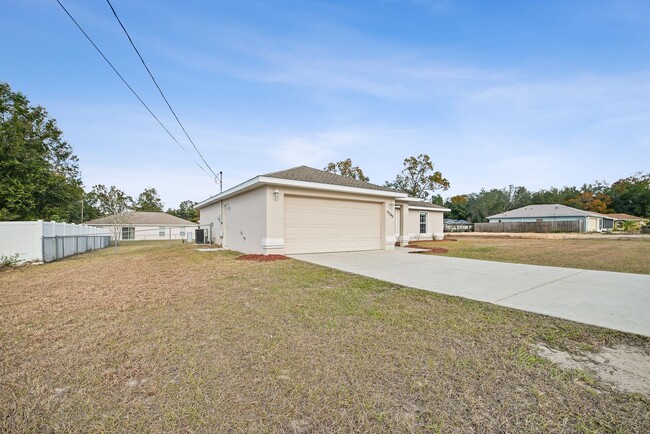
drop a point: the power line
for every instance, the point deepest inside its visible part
(159, 89)
(128, 85)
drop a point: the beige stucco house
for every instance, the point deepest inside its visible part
(143, 226)
(306, 210)
(588, 221)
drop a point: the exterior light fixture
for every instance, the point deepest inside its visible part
(276, 193)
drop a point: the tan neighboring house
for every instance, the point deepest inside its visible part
(306, 210)
(620, 219)
(139, 225)
(589, 221)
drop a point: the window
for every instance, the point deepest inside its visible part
(423, 222)
(182, 232)
(161, 231)
(128, 233)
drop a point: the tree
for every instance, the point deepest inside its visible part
(345, 168)
(418, 178)
(149, 201)
(486, 203)
(588, 201)
(458, 206)
(554, 195)
(186, 211)
(39, 173)
(109, 201)
(518, 197)
(631, 195)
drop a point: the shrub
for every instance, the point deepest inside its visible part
(9, 261)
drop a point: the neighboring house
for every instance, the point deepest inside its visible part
(140, 225)
(452, 225)
(620, 219)
(589, 221)
(306, 210)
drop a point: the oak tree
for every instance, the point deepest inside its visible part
(418, 178)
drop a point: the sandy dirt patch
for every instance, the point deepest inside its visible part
(625, 368)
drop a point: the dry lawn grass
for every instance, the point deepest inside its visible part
(623, 255)
(168, 339)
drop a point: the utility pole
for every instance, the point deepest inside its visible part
(219, 178)
(82, 210)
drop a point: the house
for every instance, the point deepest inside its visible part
(589, 221)
(453, 225)
(140, 225)
(620, 219)
(306, 210)
(425, 220)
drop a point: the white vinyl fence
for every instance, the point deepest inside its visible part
(48, 241)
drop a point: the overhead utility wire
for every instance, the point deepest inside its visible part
(128, 85)
(159, 89)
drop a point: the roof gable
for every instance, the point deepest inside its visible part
(309, 174)
(306, 177)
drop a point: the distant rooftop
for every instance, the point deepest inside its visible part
(143, 218)
(546, 210)
(621, 216)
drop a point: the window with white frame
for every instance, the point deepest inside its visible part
(161, 231)
(423, 222)
(128, 233)
(182, 232)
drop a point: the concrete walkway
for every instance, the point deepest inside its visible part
(619, 301)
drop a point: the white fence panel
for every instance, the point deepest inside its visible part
(22, 238)
(48, 241)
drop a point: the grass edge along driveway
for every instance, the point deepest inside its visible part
(627, 256)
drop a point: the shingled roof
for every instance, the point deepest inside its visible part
(423, 204)
(546, 210)
(309, 174)
(143, 218)
(621, 216)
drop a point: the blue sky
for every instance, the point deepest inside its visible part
(535, 93)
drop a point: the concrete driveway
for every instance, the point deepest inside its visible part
(619, 301)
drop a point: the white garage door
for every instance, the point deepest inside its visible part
(326, 225)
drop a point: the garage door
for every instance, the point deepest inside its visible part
(326, 225)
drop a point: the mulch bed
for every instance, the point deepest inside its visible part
(429, 249)
(262, 258)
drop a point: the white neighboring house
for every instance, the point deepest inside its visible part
(143, 226)
(306, 210)
(589, 221)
